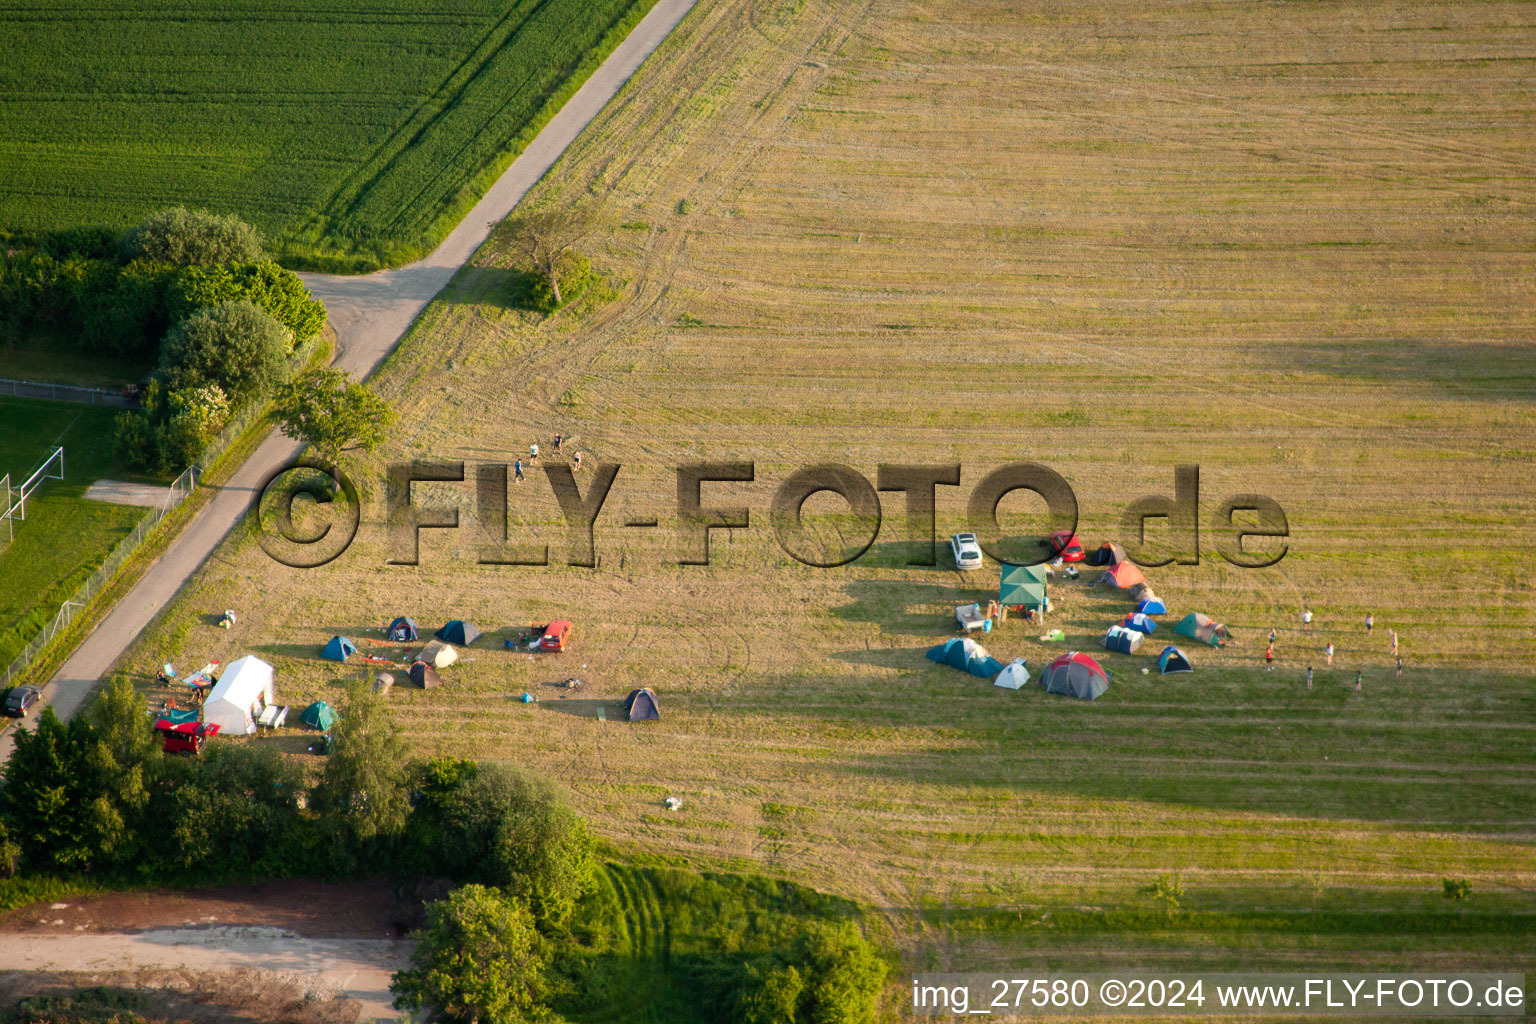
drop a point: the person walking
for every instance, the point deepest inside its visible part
(1309, 677)
(1328, 652)
(517, 468)
(533, 453)
(1269, 656)
(1394, 643)
(558, 439)
(1271, 636)
(1357, 680)
(576, 460)
(1370, 623)
(1399, 667)
(1306, 617)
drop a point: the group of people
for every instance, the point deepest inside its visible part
(1328, 649)
(533, 457)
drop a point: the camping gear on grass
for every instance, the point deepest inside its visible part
(237, 698)
(338, 648)
(319, 715)
(1173, 660)
(178, 716)
(1122, 640)
(1075, 675)
(970, 617)
(424, 675)
(1198, 626)
(272, 716)
(458, 632)
(438, 654)
(641, 705)
(1109, 553)
(968, 656)
(402, 630)
(1055, 636)
(1014, 675)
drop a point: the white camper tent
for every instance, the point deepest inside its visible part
(239, 695)
(1013, 675)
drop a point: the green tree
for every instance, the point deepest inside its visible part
(186, 237)
(845, 974)
(363, 788)
(332, 413)
(236, 345)
(60, 802)
(280, 292)
(769, 993)
(1457, 889)
(547, 240)
(1168, 891)
(480, 960)
(233, 808)
(511, 829)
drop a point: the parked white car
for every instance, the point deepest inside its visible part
(966, 551)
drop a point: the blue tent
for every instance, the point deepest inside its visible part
(1122, 640)
(1139, 622)
(458, 632)
(1152, 606)
(1173, 660)
(403, 630)
(339, 649)
(968, 656)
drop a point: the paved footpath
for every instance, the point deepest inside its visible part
(370, 313)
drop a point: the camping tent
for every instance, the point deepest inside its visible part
(641, 704)
(1151, 604)
(1123, 640)
(458, 632)
(238, 696)
(339, 649)
(438, 654)
(1123, 575)
(1013, 675)
(1173, 660)
(1022, 585)
(1139, 622)
(403, 630)
(319, 715)
(424, 675)
(1109, 553)
(1203, 628)
(968, 656)
(1075, 675)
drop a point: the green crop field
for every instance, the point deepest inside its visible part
(351, 136)
(64, 536)
(1290, 243)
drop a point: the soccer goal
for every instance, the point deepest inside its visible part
(15, 499)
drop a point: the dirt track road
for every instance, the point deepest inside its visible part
(356, 968)
(369, 313)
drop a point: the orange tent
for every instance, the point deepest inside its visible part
(1124, 575)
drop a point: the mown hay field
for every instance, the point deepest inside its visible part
(352, 136)
(1111, 238)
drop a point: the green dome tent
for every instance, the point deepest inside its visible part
(1173, 660)
(319, 715)
(338, 649)
(1201, 627)
(968, 656)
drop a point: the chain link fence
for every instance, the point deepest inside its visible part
(64, 393)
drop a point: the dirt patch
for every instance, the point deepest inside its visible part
(321, 910)
(198, 997)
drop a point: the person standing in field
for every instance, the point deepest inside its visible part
(1357, 680)
(1399, 666)
(533, 453)
(517, 468)
(576, 460)
(1269, 656)
(1394, 643)
(1370, 623)
(1271, 636)
(558, 439)
(1309, 677)
(1306, 617)
(1328, 653)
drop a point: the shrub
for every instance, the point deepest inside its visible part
(280, 292)
(185, 238)
(236, 345)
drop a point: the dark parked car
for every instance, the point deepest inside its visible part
(20, 699)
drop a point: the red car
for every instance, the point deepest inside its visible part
(185, 737)
(1065, 545)
(555, 636)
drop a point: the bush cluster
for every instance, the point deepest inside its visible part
(189, 291)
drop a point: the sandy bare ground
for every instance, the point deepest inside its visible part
(356, 968)
(370, 314)
(126, 492)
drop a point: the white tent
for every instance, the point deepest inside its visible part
(1013, 675)
(239, 695)
(438, 654)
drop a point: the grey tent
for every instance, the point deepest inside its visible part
(1109, 553)
(641, 704)
(403, 630)
(425, 676)
(1075, 675)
